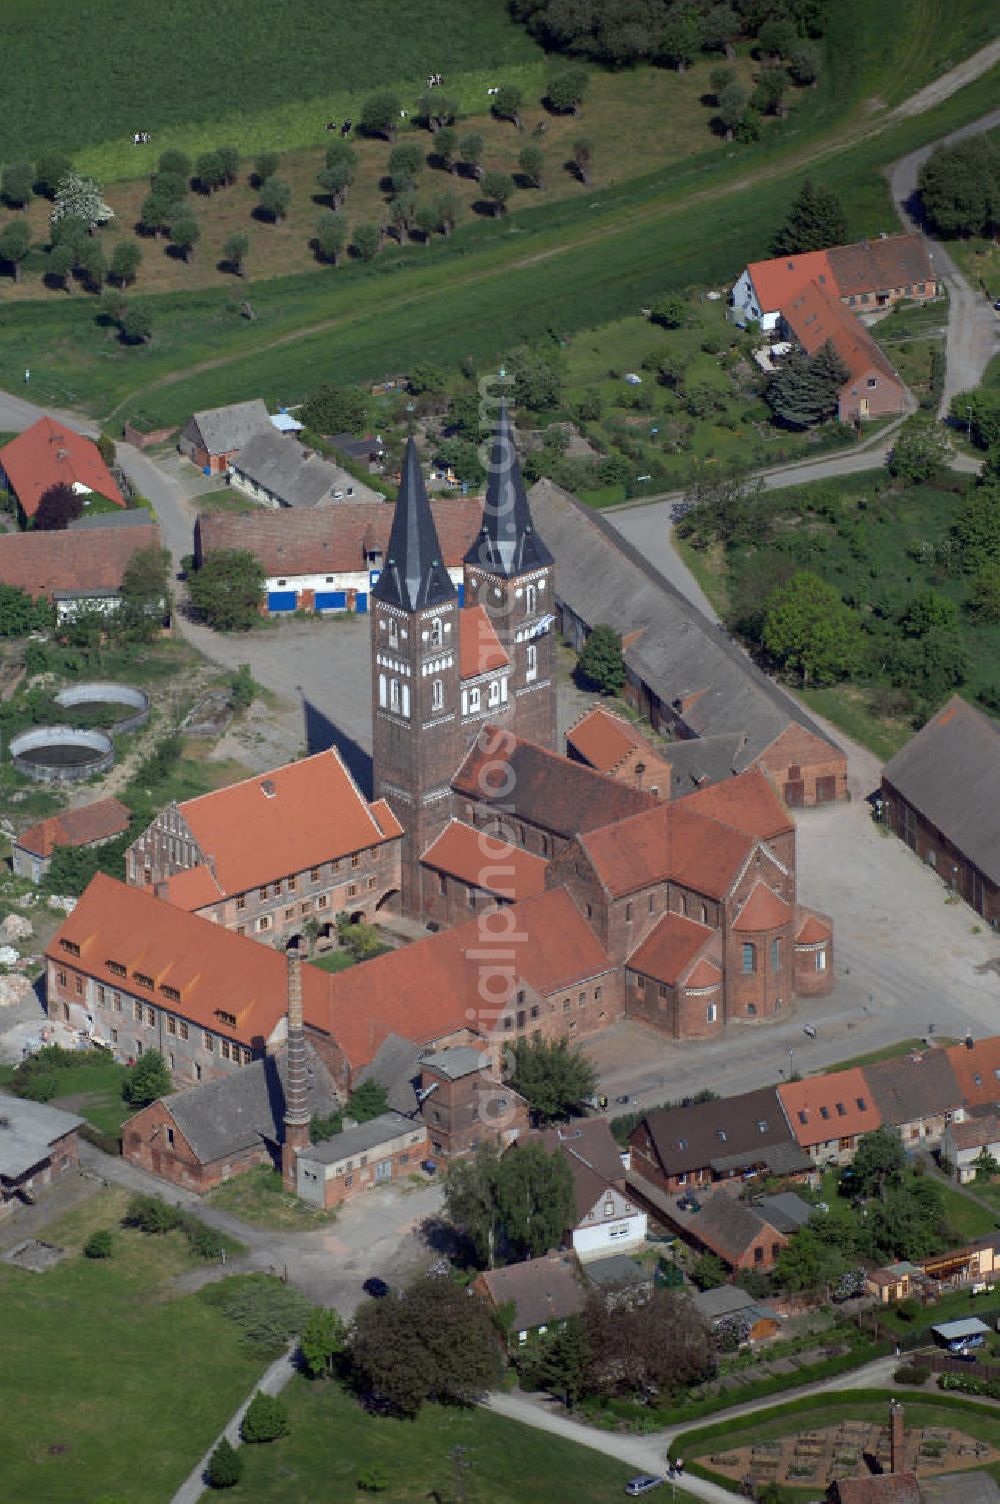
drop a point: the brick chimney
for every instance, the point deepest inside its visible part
(897, 1457)
(296, 1110)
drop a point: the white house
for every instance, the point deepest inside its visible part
(607, 1219)
(963, 1142)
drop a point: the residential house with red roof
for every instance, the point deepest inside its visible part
(608, 1218)
(88, 825)
(274, 855)
(828, 1114)
(77, 569)
(866, 275)
(873, 389)
(51, 454)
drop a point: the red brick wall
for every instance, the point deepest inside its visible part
(146, 1143)
(808, 981)
(926, 841)
(461, 1114)
(768, 1243)
(799, 757)
(342, 1187)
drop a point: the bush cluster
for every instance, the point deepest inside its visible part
(154, 1216)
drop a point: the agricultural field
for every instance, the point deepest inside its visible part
(132, 1425)
(563, 265)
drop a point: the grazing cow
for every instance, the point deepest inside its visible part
(345, 129)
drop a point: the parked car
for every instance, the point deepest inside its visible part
(376, 1288)
(962, 1354)
(642, 1484)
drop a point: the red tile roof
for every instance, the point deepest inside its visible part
(76, 827)
(479, 645)
(49, 454)
(669, 949)
(283, 822)
(815, 317)
(211, 967)
(812, 931)
(777, 281)
(486, 862)
(705, 974)
(667, 841)
(749, 801)
(384, 818)
(977, 1071)
(829, 1107)
(602, 739)
(432, 988)
(47, 563)
(331, 539)
(193, 889)
(880, 265)
(763, 910)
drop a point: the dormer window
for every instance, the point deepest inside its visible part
(437, 632)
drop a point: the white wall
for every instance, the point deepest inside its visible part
(609, 1237)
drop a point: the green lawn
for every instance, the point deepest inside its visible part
(967, 1217)
(112, 1383)
(888, 1052)
(332, 1441)
(257, 1197)
(333, 960)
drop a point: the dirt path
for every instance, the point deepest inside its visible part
(925, 99)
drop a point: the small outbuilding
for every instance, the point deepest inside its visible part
(90, 825)
(359, 1159)
(38, 1143)
(211, 438)
(969, 1332)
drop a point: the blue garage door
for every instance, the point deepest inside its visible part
(461, 595)
(361, 602)
(281, 600)
(331, 600)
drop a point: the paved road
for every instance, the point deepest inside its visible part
(649, 1453)
(973, 327)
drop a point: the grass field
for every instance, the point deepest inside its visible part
(563, 267)
(171, 1369)
(257, 1197)
(332, 1441)
(174, 69)
(888, 1052)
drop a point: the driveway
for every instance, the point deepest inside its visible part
(378, 1233)
(973, 327)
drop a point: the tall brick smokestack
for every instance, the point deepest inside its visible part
(296, 1110)
(897, 1456)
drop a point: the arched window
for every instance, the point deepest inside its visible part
(437, 632)
(532, 662)
(394, 700)
(530, 600)
(393, 632)
(495, 692)
(406, 700)
(382, 690)
(437, 694)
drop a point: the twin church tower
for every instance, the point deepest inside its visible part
(447, 659)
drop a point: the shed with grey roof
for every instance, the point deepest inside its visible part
(37, 1143)
(941, 795)
(277, 471)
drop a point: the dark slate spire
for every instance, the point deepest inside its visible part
(507, 543)
(414, 575)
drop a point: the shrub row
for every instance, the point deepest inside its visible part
(153, 1215)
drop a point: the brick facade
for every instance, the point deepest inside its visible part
(63, 1155)
(461, 1114)
(152, 1141)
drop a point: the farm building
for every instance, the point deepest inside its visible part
(329, 558)
(211, 438)
(371, 1154)
(544, 1292)
(941, 795)
(865, 276)
(276, 471)
(694, 686)
(873, 389)
(51, 454)
(89, 825)
(78, 569)
(37, 1144)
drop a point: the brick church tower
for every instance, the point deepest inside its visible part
(509, 572)
(416, 669)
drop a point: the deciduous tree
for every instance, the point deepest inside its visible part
(368, 1101)
(497, 188)
(437, 110)
(879, 1161)
(210, 171)
(432, 1343)
(78, 197)
(235, 252)
(145, 592)
(601, 663)
(185, 232)
(275, 197)
(57, 508)
(532, 164)
(731, 105)
(15, 243)
(367, 241)
(17, 184)
(147, 1081)
(960, 188)
(229, 157)
(470, 151)
(331, 236)
(507, 104)
(380, 115)
(137, 324)
(664, 1342)
(50, 170)
(565, 90)
(810, 631)
(126, 259)
(918, 450)
(335, 409)
(553, 1077)
(228, 590)
(445, 146)
(510, 1210)
(266, 165)
(681, 39)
